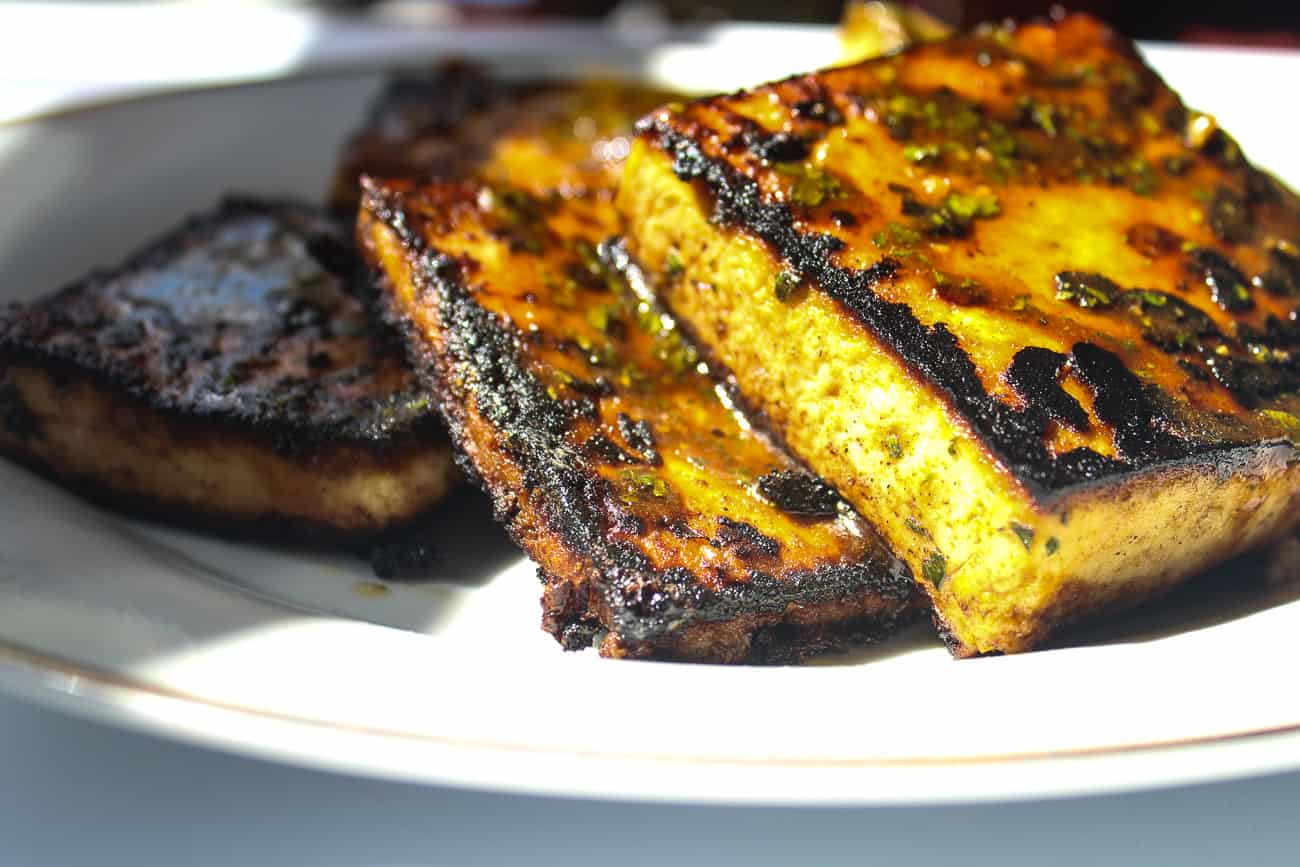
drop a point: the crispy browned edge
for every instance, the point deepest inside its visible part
(504, 424)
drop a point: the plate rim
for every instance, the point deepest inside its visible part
(105, 698)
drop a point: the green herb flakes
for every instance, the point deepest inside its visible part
(1024, 534)
(809, 185)
(934, 569)
(786, 284)
(1085, 289)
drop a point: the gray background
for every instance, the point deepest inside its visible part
(78, 793)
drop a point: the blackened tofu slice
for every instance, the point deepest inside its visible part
(661, 521)
(1030, 314)
(458, 120)
(228, 375)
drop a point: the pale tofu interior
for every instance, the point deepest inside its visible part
(89, 435)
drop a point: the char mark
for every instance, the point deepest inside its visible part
(1015, 435)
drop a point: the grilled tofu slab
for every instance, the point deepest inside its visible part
(1031, 315)
(228, 375)
(663, 524)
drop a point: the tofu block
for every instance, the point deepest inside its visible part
(1031, 315)
(228, 375)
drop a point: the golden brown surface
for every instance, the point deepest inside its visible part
(458, 120)
(229, 374)
(618, 465)
(1032, 316)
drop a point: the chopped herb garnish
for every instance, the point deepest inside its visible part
(970, 206)
(1053, 545)
(1286, 420)
(1086, 289)
(916, 527)
(673, 266)
(1178, 164)
(934, 569)
(1024, 534)
(894, 446)
(897, 235)
(603, 318)
(810, 186)
(786, 284)
(641, 486)
(922, 154)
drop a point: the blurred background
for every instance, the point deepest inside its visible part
(1271, 23)
(60, 54)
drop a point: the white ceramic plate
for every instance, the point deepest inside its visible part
(274, 652)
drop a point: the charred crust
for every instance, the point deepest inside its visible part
(1228, 287)
(604, 449)
(1127, 406)
(273, 332)
(799, 493)
(745, 539)
(639, 435)
(1035, 374)
(791, 643)
(644, 608)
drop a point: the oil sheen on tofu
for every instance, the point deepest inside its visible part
(1030, 314)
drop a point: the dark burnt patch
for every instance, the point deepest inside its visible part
(1228, 214)
(1127, 406)
(799, 493)
(639, 436)
(1085, 289)
(232, 318)
(418, 127)
(819, 109)
(1283, 275)
(1252, 382)
(1228, 287)
(604, 449)
(744, 539)
(1168, 321)
(1035, 374)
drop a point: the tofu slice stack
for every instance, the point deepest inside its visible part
(663, 524)
(1032, 316)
